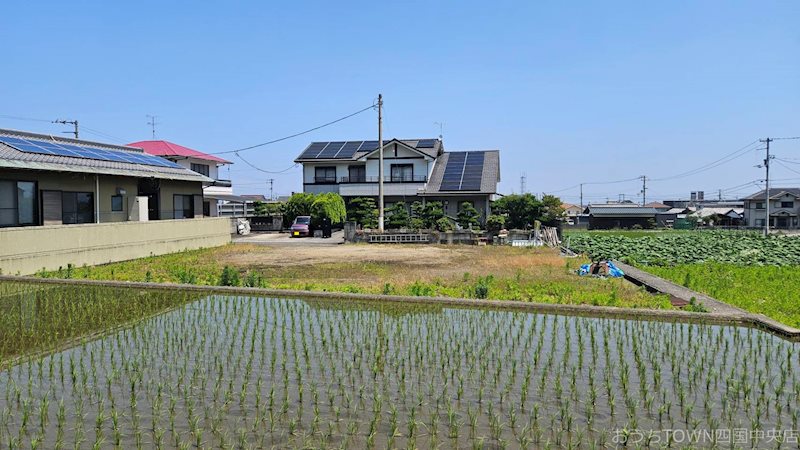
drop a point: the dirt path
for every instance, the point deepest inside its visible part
(412, 255)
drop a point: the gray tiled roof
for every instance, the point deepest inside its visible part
(489, 178)
(621, 211)
(775, 192)
(12, 158)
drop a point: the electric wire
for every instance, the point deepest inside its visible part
(296, 134)
(725, 159)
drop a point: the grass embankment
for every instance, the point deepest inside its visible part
(769, 290)
(745, 269)
(38, 318)
(534, 275)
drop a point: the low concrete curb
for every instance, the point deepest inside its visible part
(717, 308)
(717, 318)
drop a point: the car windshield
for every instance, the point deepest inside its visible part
(302, 220)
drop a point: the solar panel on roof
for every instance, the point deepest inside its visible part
(84, 152)
(463, 172)
(330, 150)
(368, 146)
(453, 171)
(426, 143)
(313, 150)
(349, 149)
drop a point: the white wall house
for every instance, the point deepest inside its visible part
(784, 208)
(414, 169)
(208, 165)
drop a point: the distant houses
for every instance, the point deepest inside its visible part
(784, 208)
(620, 215)
(219, 190)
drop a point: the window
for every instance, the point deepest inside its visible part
(116, 203)
(787, 204)
(357, 174)
(77, 207)
(402, 172)
(760, 205)
(183, 206)
(325, 175)
(200, 168)
(18, 204)
(760, 222)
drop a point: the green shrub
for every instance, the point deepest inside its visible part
(481, 287)
(468, 216)
(495, 222)
(695, 306)
(397, 216)
(186, 276)
(419, 289)
(444, 224)
(253, 279)
(229, 277)
(363, 211)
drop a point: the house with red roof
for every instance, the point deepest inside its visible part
(203, 163)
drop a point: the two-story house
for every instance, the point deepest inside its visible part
(199, 162)
(414, 169)
(784, 208)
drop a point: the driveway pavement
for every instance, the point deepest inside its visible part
(286, 239)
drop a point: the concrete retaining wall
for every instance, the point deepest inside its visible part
(27, 250)
(758, 321)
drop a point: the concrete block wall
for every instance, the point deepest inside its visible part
(26, 250)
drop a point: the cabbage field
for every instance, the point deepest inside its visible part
(732, 247)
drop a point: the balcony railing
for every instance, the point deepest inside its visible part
(395, 179)
(325, 180)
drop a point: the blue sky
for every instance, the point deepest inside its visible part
(570, 92)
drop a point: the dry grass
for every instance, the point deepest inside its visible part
(538, 275)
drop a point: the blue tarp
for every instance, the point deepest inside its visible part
(613, 271)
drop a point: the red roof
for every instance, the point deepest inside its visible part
(166, 148)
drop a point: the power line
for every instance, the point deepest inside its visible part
(83, 127)
(296, 134)
(265, 171)
(786, 167)
(29, 119)
(725, 159)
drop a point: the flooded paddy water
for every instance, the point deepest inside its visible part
(240, 372)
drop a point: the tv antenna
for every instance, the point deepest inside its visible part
(152, 124)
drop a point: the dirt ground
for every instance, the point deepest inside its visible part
(250, 256)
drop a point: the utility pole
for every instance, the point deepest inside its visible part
(766, 166)
(522, 181)
(152, 124)
(719, 197)
(380, 163)
(644, 190)
(69, 122)
(581, 197)
(271, 181)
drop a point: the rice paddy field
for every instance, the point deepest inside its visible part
(218, 371)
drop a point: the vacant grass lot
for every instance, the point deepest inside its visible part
(769, 290)
(535, 275)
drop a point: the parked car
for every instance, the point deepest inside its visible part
(301, 226)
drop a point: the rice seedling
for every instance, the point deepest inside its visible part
(257, 372)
